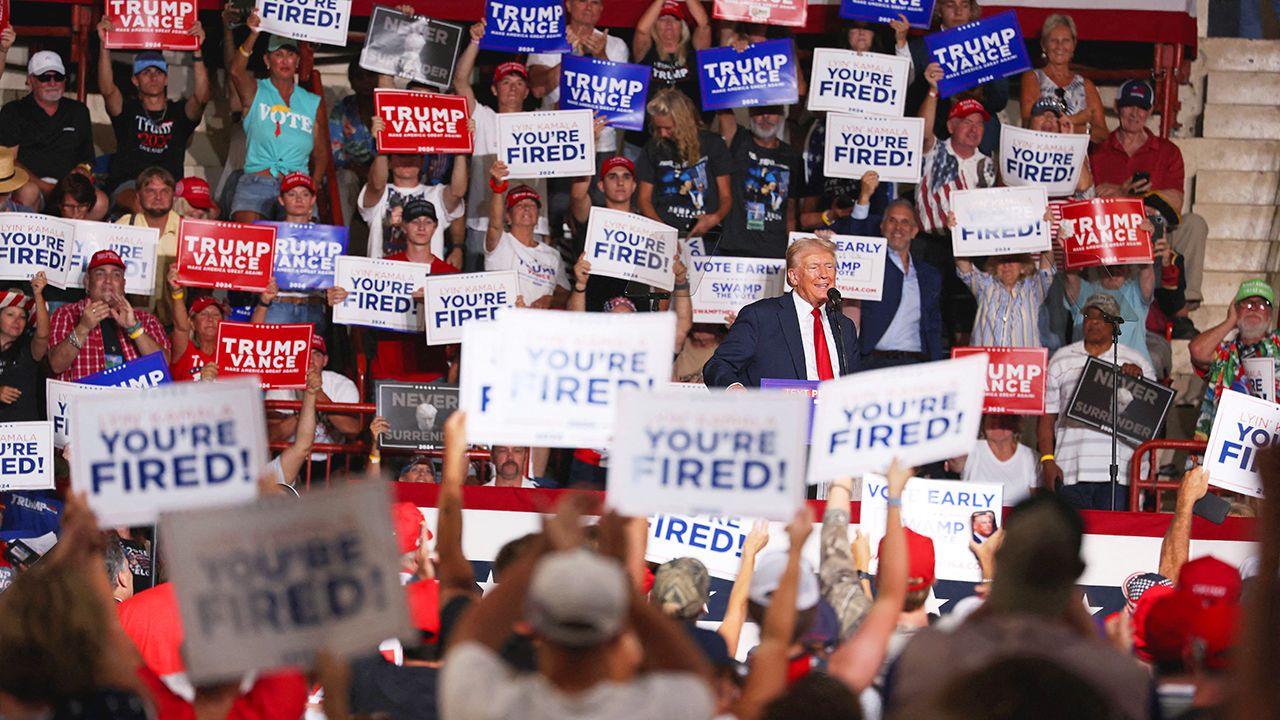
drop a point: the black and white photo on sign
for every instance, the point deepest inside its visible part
(1141, 404)
(413, 47)
(416, 413)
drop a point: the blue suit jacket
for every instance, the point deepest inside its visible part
(876, 316)
(764, 342)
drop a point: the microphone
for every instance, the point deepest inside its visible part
(834, 299)
(1113, 319)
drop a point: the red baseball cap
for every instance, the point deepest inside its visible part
(407, 521)
(204, 302)
(317, 343)
(920, 565)
(675, 9)
(522, 192)
(967, 107)
(1161, 632)
(296, 179)
(1210, 580)
(507, 68)
(105, 257)
(615, 162)
(195, 191)
(423, 597)
(1213, 635)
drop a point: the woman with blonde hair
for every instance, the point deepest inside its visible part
(1056, 79)
(1010, 293)
(684, 169)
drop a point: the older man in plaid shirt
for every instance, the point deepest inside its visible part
(102, 330)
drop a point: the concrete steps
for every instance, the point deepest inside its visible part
(1245, 187)
(1237, 222)
(1256, 122)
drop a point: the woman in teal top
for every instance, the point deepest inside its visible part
(281, 125)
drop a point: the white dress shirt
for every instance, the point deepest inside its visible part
(804, 313)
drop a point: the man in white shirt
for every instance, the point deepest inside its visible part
(509, 467)
(335, 388)
(1072, 453)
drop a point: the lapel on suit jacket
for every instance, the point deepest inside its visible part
(791, 333)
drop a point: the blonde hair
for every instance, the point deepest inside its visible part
(804, 246)
(676, 105)
(975, 12)
(1058, 20)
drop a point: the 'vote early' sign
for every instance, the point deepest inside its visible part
(183, 445)
(277, 355)
(889, 146)
(631, 247)
(763, 74)
(1242, 427)
(321, 21)
(26, 456)
(524, 26)
(1051, 160)
(451, 301)
(978, 52)
(730, 454)
(1015, 378)
(860, 83)
(422, 122)
(553, 143)
(730, 284)
(616, 91)
(1104, 231)
(999, 221)
(226, 255)
(151, 24)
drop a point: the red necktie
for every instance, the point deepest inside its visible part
(820, 352)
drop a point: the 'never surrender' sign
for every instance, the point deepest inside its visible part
(416, 414)
(278, 355)
(850, 82)
(1015, 378)
(890, 146)
(321, 21)
(306, 254)
(151, 24)
(918, 413)
(552, 143)
(1243, 427)
(617, 91)
(763, 74)
(1051, 160)
(726, 454)
(919, 13)
(422, 122)
(183, 445)
(978, 52)
(999, 221)
(453, 300)
(1104, 231)
(524, 26)
(26, 456)
(226, 255)
(631, 247)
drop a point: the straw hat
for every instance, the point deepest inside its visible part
(12, 177)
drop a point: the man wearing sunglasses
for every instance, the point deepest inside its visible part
(53, 134)
(1221, 362)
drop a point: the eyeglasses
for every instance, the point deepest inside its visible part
(1061, 93)
(70, 206)
(1254, 304)
(51, 77)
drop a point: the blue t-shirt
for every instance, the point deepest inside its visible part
(1133, 308)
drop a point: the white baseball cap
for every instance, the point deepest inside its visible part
(768, 574)
(44, 61)
(577, 598)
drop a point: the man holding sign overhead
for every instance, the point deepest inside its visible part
(798, 336)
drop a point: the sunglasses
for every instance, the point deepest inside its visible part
(1252, 304)
(51, 77)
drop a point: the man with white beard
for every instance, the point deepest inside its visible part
(1220, 361)
(766, 177)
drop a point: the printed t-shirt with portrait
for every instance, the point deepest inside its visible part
(764, 180)
(386, 236)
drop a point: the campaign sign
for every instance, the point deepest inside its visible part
(1242, 427)
(763, 74)
(60, 398)
(1051, 160)
(999, 221)
(784, 13)
(305, 254)
(453, 300)
(919, 13)
(978, 52)
(1141, 404)
(1260, 377)
(730, 284)
(553, 143)
(1015, 378)
(137, 246)
(417, 48)
(845, 81)
(422, 122)
(4, 14)
(616, 91)
(270, 584)
(858, 143)
(321, 21)
(151, 25)
(942, 510)
(1104, 231)
(225, 255)
(716, 541)
(31, 243)
(416, 413)
(552, 379)
(26, 456)
(524, 26)
(690, 248)
(147, 371)
(379, 293)
(727, 454)
(277, 355)
(919, 413)
(631, 247)
(807, 389)
(183, 445)
(859, 264)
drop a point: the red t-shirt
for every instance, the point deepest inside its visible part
(188, 366)
(406, 356)
(1157, 156)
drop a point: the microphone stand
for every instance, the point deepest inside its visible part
(1115, 323)
(834, 305)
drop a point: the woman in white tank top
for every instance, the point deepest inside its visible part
(1084, 104)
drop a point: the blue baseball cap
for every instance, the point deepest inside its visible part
(1136, 92)
(149, 59)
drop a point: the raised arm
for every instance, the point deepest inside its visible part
(111, 97)
(642, 40)
(201, 93)
(1204, 347)
(241, 80)
(929, 108)
(735, 614)
(1175, 548)
(467, 65)
(40, 340)
(581, 274)
(452, 568)
(497, 174)
(837, 571)
(701, 36)
(456, 191)
(180, 336)
(681, 304)
(292, 457)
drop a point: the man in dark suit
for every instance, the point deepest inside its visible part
(905, 326)
(774, 337)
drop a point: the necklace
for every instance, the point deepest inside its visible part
(164, 112)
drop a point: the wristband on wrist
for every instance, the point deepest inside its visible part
(244, 52)
(135, 334)
(498, 187)
(680, 286)
(894, 502)
(864, 575)
(826, 219)
(575, 288)
(375, 459)
(75, 340)
(178, 294)
(265, 304)
(1046, 457)
(135, 327)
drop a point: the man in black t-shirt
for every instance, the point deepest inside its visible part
(767, 179)
(150, 129)
(52, 133)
